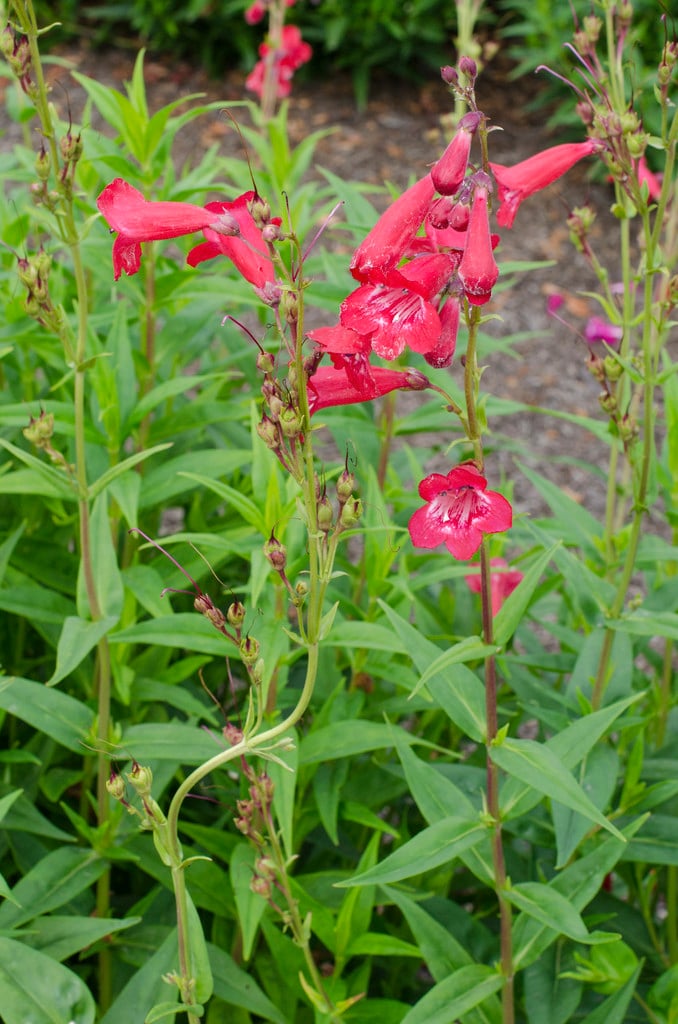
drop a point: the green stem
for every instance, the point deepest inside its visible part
(493, 809)
(672, 913)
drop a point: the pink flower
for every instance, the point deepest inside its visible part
(442, 352)
(646, 176)
(458, 512)
(598, 330)
(352, 380)
(138, 220)
(518, 182)
(400, 312)
(449, 172)
(502, 583)
(292, 53)
(243, 243)
(478, 270)
(385, 245)
(255, 12)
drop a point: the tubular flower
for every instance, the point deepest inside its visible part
(385, 245)
(234, 234)
(400, 311)
(503, 581)
(352, 380)
(478, 270)
(292, 53)
(458, 512)
(138, 220)
(449, 172)
(518, 182)
(442, 352)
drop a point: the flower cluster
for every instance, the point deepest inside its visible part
(287, 58)
(427, 262)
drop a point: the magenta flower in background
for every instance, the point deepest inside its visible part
(458, 512)
(352, 379)
(237, 237)
(599, 330)
(288, 58)
(140, 220)
(503, 581)
(518, 182)
(385, 245)
(648, 177)
(255, 12)
(478, 270)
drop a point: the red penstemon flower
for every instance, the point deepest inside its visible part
(139, 220)
(449, 172)
(503, 581)
(400, 312)
(458, 512)
(244, 245)
(288, 57)
(352, 379)
(478, 270)
(385, 245)
(518, 182)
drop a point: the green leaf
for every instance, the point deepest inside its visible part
(548, 906)
(539, 767)
(107, 579)
(514, 607)
(657, 842)
(168, 741)
(346, 739)
(378, 944)
(56, 714)
(471, 648)
(460, 694)
(61, 936)
(146, 987)
(647, 623)
(236, 987)
(613, 1010)
(579, 524)
(452, 998)
(436, 845)
(49, 481)
(122, 467)
(77, 639)
(250, 905)
(54, 881)
(185, 630)
(200, 969)
(35, 988)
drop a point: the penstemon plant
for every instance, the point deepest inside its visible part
(347, 790)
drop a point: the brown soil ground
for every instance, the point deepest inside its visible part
(395, 138)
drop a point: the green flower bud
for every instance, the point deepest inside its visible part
(235, 613)
(249, 650)
(351, 513)
(141, 778)
(115, 784)
(325, 514)
(613, 368)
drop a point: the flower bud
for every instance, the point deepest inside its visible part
(235, 614)
(115, 784)
(301, 589)
(39, 431)
(468, 67)
(260, 886)
(613, 368)
(449, 75)
(608, 402)
(43, 164)
(268, 432)
(290, 421)
(265, 362)
(260, 211)
(249, 650)
(351, 513)
(345, 486)
(205, 606)
(141, 778)
(275, 552)
(325, 514)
